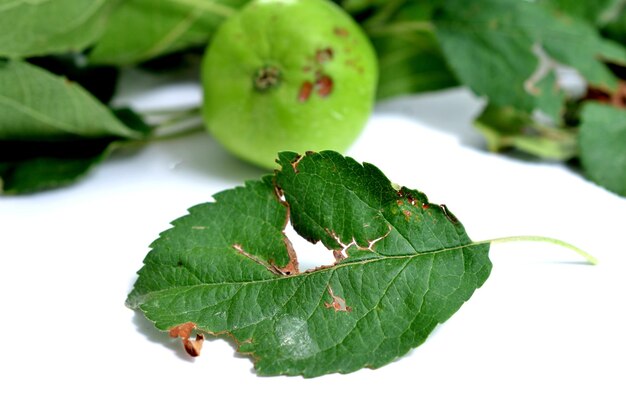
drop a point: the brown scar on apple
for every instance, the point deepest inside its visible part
(192, 347)
(342, 32)
(324, 85)
(323, 55)
(305, 91)
(338, 303)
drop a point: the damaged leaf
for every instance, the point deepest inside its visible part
(519, 45)
(403, 266)
(52, 130)
(505, 128)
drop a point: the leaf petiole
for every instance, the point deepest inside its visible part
(588, 257)
(174, 118)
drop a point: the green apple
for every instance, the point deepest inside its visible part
(280, 75)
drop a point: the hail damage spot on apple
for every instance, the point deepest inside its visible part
(343, 32)
(305, 91)
(323, 55)
(281, 76)
(324, 85)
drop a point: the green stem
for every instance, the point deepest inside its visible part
(177, 118)
(171, 111)
(134, 144)
(209, 7)
(179, 133)
(588, 257)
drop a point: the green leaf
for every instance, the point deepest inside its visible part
(33, 28)
(411, 63)
(31, 165)
(143, 29)
(602, 140)
(99, 81)
(576, 43)
(409, 56)
(27, 167)
(615, 27)
(52, 131)
(36, 105)
(505, 128)
(592, 11)
(494, 45)
(404, 265)
(489, 45)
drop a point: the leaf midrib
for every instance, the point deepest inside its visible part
(313, 273)
(35, 114)
(41, 117)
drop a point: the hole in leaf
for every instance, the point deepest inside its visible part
(310, 255)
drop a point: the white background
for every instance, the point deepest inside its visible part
(545, 335)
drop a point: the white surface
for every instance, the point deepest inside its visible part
(545, 336)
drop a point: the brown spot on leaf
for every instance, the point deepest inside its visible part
(337, 303)
(305, 91)
(410, 199)
(295, 162)
(192, 347)
(290, 269)
(182, 330)
(407, 214)
(451, 217)
(425, 206)
(280, 194)
(339, 255)
(615, 98)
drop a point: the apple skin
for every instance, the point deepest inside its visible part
(288, 75)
